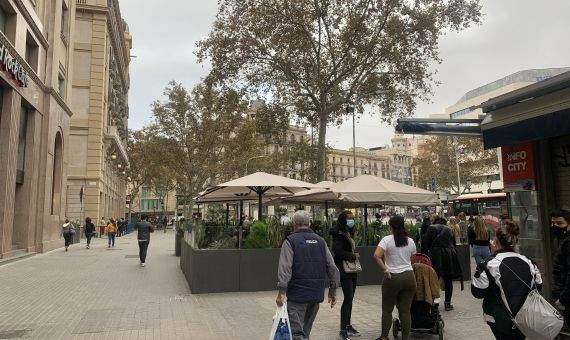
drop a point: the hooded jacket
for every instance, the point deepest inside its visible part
(497, 281)
(67, 228)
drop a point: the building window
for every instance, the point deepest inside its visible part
(56, 174)
(8, 21)
(145, 192)
(20, 167)
(61, 85)
(64, 20)
(31, 52)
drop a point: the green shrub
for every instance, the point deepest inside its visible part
(257, 238)
(224, 243)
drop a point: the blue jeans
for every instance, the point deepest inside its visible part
(480, 253)
(111, 237)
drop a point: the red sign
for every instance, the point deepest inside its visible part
(518, 167)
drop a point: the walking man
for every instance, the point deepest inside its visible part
(144, 229)
(304, 264)
(560, 220)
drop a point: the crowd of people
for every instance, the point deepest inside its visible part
(112, 228)
(503, 279)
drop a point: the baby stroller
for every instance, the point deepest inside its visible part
(426, 318)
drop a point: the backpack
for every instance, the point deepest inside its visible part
(537, 319)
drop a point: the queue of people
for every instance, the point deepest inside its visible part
(504, 279)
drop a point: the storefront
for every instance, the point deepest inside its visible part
(532, 127)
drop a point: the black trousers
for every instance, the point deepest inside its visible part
(348, 288)
(143, 246)
(68, 237)
(88, 237)
(448, 285)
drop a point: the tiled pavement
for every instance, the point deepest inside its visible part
(104, 294)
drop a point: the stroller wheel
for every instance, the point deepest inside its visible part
(395, 327)
(440, 326)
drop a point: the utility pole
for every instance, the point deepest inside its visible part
(456, 143)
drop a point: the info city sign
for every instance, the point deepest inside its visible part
(518, 167)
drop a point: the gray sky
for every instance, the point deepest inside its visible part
(515, 35)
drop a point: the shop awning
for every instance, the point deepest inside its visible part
(534, 112)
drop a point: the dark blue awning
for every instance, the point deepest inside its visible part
(546, 126)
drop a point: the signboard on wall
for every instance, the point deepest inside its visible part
(519, 172)
(11, 65)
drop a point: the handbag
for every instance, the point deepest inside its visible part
(537, 319)
(351, 266)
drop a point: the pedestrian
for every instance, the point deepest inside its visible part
(102, 226)
(344, 250)
(144, 228)
(111, 231)
(399, 286)
(119, 227)
(89, 230)
(426, 222)
(480, 240)
(463, 228)
(454, 226)
(560, 220)
(304, 265)
(499, 279)
(440, 243)
(67, 231)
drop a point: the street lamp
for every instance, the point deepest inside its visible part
(113, 156)
(352, 109)
(468, 184)
(255, 157)
(489, 183)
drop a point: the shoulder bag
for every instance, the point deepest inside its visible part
(351, 266)
(537, 319)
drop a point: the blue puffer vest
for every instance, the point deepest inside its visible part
(307, 283)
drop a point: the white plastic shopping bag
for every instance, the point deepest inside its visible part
(281, 329)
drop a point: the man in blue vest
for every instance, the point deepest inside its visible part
(305, 264)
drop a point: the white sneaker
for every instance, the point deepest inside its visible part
(142, 264)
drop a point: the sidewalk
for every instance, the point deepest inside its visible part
(103, 293)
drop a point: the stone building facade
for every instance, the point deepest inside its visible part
(99, 127)
(35, 59)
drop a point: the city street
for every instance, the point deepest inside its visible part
(103, 294)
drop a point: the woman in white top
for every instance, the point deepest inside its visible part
(399, 286)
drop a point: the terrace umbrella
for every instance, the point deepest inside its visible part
(258, 185)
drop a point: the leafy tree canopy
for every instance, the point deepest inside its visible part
(315, 56)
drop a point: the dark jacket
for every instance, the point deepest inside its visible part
(440, 242)
(309, 269)
(493, 279)
(144, 229)
(89, 228)
(560, 273)
(473, 238)
(342, 250)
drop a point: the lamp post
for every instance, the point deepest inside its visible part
(468, 184)
(255, 157)
(456, 143)
(489, 183)
(352, 109)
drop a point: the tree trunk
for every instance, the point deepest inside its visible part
(322, 159)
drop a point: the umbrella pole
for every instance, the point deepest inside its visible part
(365, 222)
(227, 214)
(259, 212)
(240, 223)
(327, 213)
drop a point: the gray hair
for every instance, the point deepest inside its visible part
(301, 218)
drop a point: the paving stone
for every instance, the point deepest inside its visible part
(104, 294)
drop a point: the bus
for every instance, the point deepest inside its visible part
(494, 204)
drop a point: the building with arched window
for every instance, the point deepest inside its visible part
(35, 115)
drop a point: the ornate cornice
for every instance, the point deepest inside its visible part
(22, 8)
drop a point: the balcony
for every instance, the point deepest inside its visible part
(112, 135)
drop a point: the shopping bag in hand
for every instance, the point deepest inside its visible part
(281, 329)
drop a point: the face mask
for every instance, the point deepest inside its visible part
(560, 233)
(350, 224)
